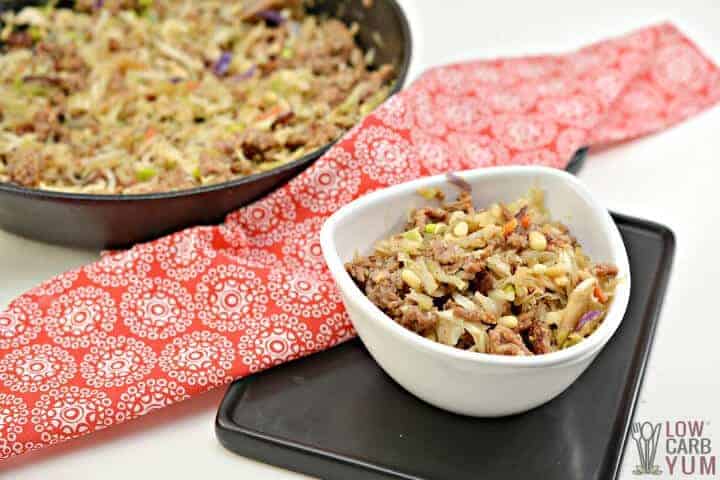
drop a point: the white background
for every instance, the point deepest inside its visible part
(671, 177)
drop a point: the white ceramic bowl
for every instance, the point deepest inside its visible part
(467, 382)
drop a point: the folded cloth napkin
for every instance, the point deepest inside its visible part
(169, 319)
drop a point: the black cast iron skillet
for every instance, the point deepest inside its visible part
(114, 221)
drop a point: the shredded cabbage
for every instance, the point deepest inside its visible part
(506, 279)
(164, 95)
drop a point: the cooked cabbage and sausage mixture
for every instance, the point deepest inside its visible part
(137, 96)
(504, 280)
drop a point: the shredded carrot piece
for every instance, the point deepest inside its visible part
(276, 110)
(193, 85)
(510, 227)
(525, 221)
(600, 294)
(150, 133)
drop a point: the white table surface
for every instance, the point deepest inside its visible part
(671, 177)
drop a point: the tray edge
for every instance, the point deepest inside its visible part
(316, 462)
(613, 460)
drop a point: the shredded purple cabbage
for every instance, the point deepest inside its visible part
(271, 16)
(99, 4)
(587, 318)
(246, 75)
(459, 182)
(222, 65)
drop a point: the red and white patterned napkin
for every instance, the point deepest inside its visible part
(169, 319)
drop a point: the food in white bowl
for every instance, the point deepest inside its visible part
(463, 380)
(504, 279)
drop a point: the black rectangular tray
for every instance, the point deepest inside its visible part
(337, 415)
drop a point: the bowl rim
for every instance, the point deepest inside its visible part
(591, 345)
(307, 159)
